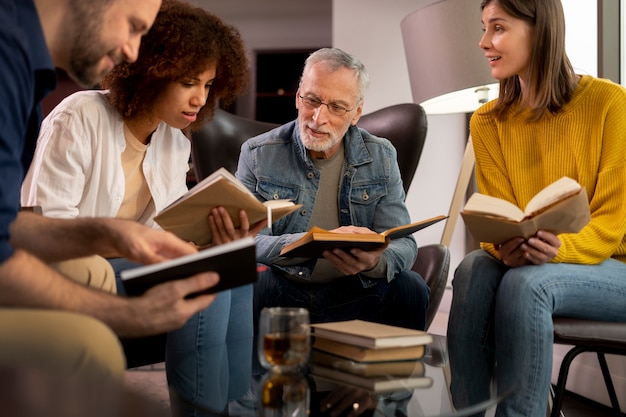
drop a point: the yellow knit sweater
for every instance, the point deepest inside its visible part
(586, 141)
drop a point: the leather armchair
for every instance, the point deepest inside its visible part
(405, 125)
(218, 144)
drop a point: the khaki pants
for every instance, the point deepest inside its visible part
(93, 271)
(64, 342)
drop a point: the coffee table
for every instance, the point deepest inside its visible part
(306, 395)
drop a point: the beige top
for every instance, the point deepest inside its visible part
(137, 194)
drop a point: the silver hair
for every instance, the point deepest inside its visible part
(335, 59)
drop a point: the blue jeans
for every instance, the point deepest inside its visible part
(401, 302)
(208, 360)
(500, 325)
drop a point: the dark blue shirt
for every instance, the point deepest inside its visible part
(27, 75)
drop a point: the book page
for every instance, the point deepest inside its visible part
(561, 188)
(493, 206)
(408, 229)
(274, 204)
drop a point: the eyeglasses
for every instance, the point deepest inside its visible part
(334, 109)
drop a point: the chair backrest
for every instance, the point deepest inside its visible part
(405, 125)
(433, 264)
(218, 143)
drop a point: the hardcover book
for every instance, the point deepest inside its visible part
(317, 240)
(561, 207)
(187, 217)
(369, 369)
(369, 334)
(361, 354)
(234, 261)
(378, 384)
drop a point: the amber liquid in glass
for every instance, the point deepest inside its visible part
(284, 349)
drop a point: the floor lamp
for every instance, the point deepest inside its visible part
(448, 74)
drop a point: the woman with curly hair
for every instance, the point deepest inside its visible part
(124, 151)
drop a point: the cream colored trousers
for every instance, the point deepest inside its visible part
(64, 342)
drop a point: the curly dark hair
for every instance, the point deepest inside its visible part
(183, 42)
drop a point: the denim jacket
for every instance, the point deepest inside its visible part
(275, 165)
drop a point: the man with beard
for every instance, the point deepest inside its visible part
(46, 320)
(348, 181)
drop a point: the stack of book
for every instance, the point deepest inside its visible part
(370, 356)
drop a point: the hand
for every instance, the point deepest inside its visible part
(347, 401)
(541, 248)
(165, 307)
(356, 260)
(161, 309)
(537, 250)
(223, 229)
(143, 244)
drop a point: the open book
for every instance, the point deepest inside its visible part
(317, 240)
(235, 262)
(561, 207)
(187, 217)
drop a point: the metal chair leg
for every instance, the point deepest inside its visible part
(559, 390)
(609, 384)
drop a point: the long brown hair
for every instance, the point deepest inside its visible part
(552, 79)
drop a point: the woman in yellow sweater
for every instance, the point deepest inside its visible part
(547, 123)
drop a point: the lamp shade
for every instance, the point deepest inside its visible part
(445, 64)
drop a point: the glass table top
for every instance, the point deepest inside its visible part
(308, 394)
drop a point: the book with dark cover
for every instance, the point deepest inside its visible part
(234, 261)
(317, 240)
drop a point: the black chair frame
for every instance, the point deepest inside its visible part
(559, 390)
(588, 336)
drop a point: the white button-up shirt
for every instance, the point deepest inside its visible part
(77, 169)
